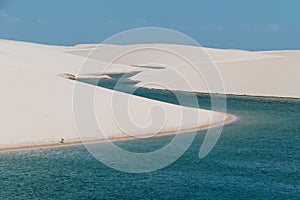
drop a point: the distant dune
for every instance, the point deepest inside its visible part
(269, 73)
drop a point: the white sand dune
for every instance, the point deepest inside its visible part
(269, 73)
(106, 52)
(36, 102)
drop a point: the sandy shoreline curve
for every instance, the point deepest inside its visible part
(229, 119)
(37, 105)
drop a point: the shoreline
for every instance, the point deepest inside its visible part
(227, 94)
(229, 119)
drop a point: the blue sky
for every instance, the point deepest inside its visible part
(242, 24)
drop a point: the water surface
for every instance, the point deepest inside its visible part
(257, 157)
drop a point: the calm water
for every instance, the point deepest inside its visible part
(257, 157)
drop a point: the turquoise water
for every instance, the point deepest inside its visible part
(257, 157)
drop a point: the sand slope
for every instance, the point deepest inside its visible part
(36, 103)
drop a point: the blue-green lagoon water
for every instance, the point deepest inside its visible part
(257, 157)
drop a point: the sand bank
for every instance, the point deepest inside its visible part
(229, 119)
(37, 102)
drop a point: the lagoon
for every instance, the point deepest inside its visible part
(257, 157)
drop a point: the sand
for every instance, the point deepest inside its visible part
(264, 73)
(37, 102)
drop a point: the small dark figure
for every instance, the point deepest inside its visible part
(62, 140)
